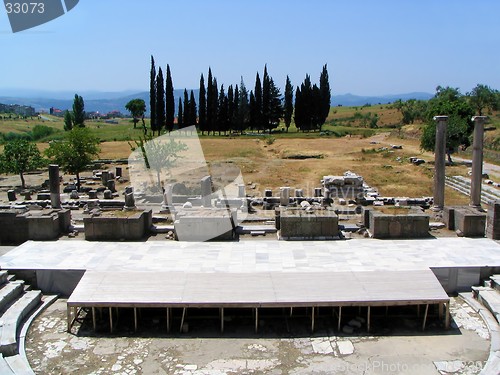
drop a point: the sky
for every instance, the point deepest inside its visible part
(371, 47)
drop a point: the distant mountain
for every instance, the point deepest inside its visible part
(349, 100)
(107, 102)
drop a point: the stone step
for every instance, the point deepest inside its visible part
(4, 277)
(485, 197)
(248, 229)
(10, 292)
(495, 282)
(11, 319)
(5, 367)
(19, 365)
(490, 298)
(486, 190)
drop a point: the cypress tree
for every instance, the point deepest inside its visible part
(186, 119)
(288, 108)
(215, 106)
(210, 102)
(202, 116)
(266, 99)
(169, 102)
(236, 109)
(78, 112)
(222, 111)
(152, 96)
(230, 107)
(180, 120)
(243, 107)
(275, 106)
(192, 109)
(258, 103)
(325, 96)
(160, 102)
(252, 112)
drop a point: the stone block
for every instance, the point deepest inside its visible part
(299, 224)
(205, 224)
(398, 226)
(132, 227)
(470, 221)
(493, 220)
(449, 217)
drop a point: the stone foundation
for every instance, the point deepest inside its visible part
(470, 221)
(300, 224)
(130, 228)
(398, 226)
(493, 220)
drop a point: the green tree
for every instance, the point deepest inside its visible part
(160, 102)
(288, 107)
(152, 96)
(20, 156)
(202, 100)
(448, 102)
(325, 97)
(211, 103)
(78, 111)
(180, 116)
(185, 117)
(482, 97)
(275, 107)
(258, 103)
(159, 154)
(137, 108)
(192, 108)
(68, 121)
(75, 152)
(169, 101)
(243, 107)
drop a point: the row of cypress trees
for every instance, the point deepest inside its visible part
(237, 109)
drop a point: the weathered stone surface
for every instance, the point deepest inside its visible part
(398, 226)
(308, 224)
(129, 228)
(493, 220)
(470, 221)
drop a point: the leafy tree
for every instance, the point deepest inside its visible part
(68, 121)
(288, 107)
(169, 101)
(137, 108)
(326, 97)
(160, 102)
(450, 102)
(20, 156)
(78, 111)
(202, 113)
(75, 152)
(152, 96)
(159, 154)
(482, 97)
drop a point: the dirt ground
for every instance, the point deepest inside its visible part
(301, 163)
(397, 346)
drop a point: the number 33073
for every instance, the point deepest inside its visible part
(25, 8)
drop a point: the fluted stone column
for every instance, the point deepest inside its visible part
(439, 162)
(55, 187)
(477, 161)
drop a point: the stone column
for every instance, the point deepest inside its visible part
(55, 187)
(206, 191)
(284, 196)
(477, 161)
(439, 162)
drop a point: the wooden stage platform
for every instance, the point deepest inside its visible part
(168, 290)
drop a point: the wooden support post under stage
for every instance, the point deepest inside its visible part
(447, 316)
(340, 317)
(256, 319)
(111, 319)
(312, 320)
(182, 319)
(94, 324)
(368, 319)
(135, 319)
(168, 319)
(425, 316)
(222, 320)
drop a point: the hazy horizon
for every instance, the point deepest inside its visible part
(371, 48)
